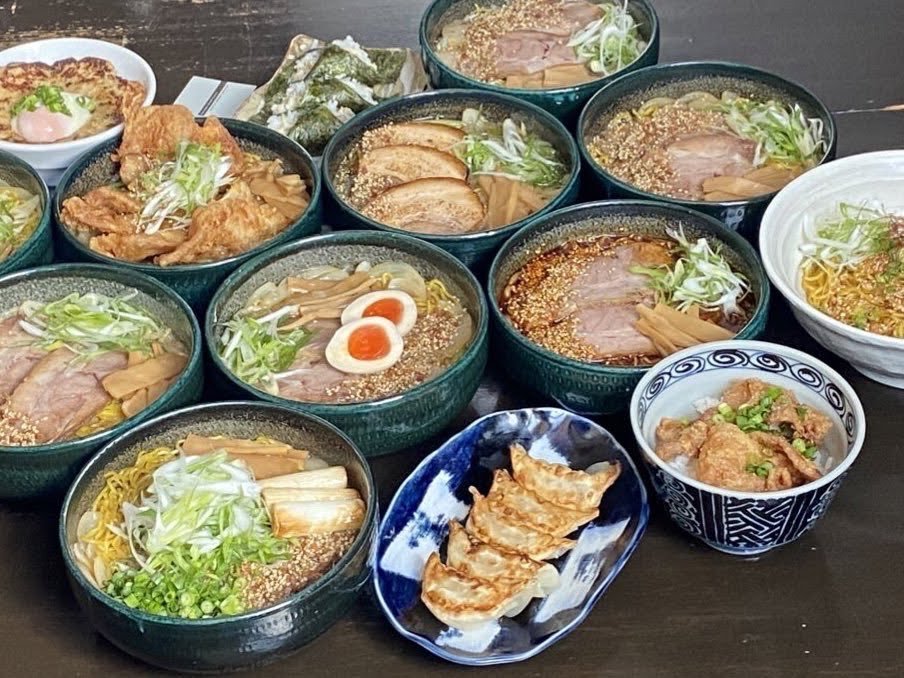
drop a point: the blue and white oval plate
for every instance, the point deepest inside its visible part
(416, 525)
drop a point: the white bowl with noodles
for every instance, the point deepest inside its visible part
(51, 159)
(869, 178)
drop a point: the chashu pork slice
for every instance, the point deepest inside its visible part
(19, 353)
(429, 134)
(62, 392)
(442, 206)
(388, 166)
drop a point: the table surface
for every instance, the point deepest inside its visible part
(828, 604)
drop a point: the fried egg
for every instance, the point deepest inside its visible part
(395, 305)
(365, 346)
(42, 125)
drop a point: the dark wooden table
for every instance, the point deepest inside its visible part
(829, 604)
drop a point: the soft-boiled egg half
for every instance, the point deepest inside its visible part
(396, 306)
(40, 125)
(365, 346)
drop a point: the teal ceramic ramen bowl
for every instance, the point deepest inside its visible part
(476, 248)
(378, 426)
(37, 249)
(631, 90)
(39, 470)
(194, 282)
(584, 387)
(564, 102)
(244, 640)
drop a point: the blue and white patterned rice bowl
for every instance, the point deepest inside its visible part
(745, 523)
(416, 524)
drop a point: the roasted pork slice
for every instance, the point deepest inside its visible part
(310, 377)
(532, 51)
(579, 13)
(63, 392)
(18, 354)
(429, 134)
(609, 329)
(734, 460)
(697, 157)
(386, 166)
(436, 205)
(609, 277)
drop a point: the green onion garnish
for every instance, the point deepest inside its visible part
(48, 96)
(611, 42)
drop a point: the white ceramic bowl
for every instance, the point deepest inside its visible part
(745, 523)
(52, 159)
(856, 179)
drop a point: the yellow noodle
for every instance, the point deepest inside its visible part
(124, 485)
(108, 417)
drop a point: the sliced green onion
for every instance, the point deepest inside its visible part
(852, 234)
(48, 96)
(609, 43)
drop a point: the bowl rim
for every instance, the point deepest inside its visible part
(103, 135)
(530, 109)
(728, 237)
(642, 522)
(753, 346)
(769, 223)
(350, 237)
(825, 115)
(8, 159)
(96, 271)
(105, 599)
(592, 85)
(256, 129)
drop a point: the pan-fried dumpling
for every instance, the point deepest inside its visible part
(484, 561)
(556, 483)
(541, 515)
(463, 602)
(492, 525)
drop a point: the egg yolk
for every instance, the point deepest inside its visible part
(368, 343)
(391, 309)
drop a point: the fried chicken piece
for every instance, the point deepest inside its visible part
(745, 392)
(149, 135)
(137, 246)
(804, 467)
(674, 438)
(105, 209)
(226, 227)
(731, 459)
(806, 422)
(212, 133)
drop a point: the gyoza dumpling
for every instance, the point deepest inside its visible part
(556, 483)
(484, 561)
(542, 515)
(462, 601)
(493, 525)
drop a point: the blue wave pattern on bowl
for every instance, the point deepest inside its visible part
(731, 524)
(416, 524)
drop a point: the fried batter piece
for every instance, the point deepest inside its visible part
(151, 135)
(137, 246)
(105, 209)
(726, 459)
(675, 438)
(226, 227)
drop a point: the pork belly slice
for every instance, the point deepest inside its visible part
(63, 392)
(18, 355)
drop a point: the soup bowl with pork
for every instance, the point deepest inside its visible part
(586, 299)
(719, 138)
(460, 169)
(381, 334)
(87, 353)
(550, 53)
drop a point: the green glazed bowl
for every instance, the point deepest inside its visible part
(194, 282)
(38, 248)
(377, 426)
(565, 102)
(474, 249)
(42, 470)
(582, 387)
(674, 80)
(245, 640)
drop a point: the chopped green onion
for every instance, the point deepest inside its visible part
(762, 469)
(510, 151)
(701, 277)
(92, 323)
(175, 189)
(609, 43)
(255, 350)
(48, 96)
